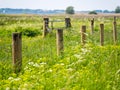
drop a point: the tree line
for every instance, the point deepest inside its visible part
(70, 10)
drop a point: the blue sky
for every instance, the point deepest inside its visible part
(61, 4)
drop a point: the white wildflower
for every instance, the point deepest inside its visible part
(79, 61)
(31, 63)
(50, 70)
(84, 51)
(26, 85)
(22, 89)
(7, 88)
(77, 55)
(26, 68)
(10, 78)
(17, 79)
(77, 43)
(73, 76)
(70, 69)
(62, 64)
(43, 63)
(33, 76)
(36, 65)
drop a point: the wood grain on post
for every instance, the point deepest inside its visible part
(101, 34)
(92, 26)
(45, 26)
(115, 31)
(17, 52)
(59, 41)
(83, 35)
(67, 22)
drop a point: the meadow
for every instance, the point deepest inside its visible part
(88, 67)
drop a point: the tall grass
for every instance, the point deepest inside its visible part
(92, 67)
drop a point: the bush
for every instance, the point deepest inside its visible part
(92, 12)
(30, 32)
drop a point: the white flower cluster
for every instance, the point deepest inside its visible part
(14, 79)
(85, 50)
(36, 64)
(33, 64)
(50, 70)
(78, 56)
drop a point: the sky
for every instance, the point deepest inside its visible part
(79, 5)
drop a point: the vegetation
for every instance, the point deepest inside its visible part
(92, 67)
(117, 10)
(92, 12)
(70, 10)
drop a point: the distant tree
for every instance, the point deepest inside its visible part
(92, 12)
(70, 10)
(106, 11)
(117, 10)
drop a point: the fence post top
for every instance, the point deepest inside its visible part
(101, 24)
(45, 18)
(83, 25)
(16, 33)
(59, 29)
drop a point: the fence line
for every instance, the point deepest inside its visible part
(46, 26)
(17, 42)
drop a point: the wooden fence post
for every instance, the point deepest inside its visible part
(17, 52)
(101, 34)
(59, 41)
(83, 35)
(115, 31)
(45, 26)
(92, 26)
(67, 22)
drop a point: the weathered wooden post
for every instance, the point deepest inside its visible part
(101, 34)
(115, 31)
(92, 26)
(45, 26)
(17, 52)
(67, 22)
(59, 41)
(83, 35)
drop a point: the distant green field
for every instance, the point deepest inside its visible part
(89, 67)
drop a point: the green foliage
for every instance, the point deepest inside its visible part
(92, 12)
(30, 32)
(117, 10)
(70, 10)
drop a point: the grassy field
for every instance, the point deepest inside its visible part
(92, 67)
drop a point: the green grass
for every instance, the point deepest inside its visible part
(92, 67)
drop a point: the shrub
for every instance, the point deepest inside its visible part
(92, 12)
(30, 32)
